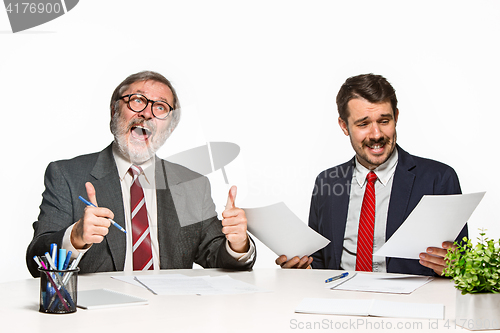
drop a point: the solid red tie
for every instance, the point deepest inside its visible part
(141, 239)
(364, 257)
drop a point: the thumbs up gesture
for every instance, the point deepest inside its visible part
(234, 224)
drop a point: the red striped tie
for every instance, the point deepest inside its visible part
(141, 240)
(364, 257)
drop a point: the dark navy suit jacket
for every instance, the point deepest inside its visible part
(413, 178)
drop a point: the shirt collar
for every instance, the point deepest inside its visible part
(384, 171)
(123, 165)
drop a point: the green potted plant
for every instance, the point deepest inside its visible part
(475, 269)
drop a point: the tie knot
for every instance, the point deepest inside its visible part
(135, 170)
(371, 177)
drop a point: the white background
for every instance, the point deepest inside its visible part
(263, 75)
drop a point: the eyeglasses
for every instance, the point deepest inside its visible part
(138, 103)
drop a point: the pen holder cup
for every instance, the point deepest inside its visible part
(58, 290)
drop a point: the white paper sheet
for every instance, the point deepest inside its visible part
(178, 284)
(283, 232)
(378, 308)
(183, 285)
(437, 218)
(224, 284)
(381, 283)
(131, 279)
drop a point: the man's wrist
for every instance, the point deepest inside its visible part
(68, 245)
(77, 241)
(242, 256)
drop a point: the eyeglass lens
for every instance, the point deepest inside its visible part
(138, 103)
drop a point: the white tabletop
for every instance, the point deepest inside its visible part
(258, 312)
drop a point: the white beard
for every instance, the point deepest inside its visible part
(136, 151)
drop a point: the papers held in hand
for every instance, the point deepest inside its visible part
(437, 218)
(283, 232)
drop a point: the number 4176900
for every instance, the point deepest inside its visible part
(32, 8)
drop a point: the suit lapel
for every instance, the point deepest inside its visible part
(340, 209)
(167, 219)
(334, 209)
(401, 191)
(109, 195)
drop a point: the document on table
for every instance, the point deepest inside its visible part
(105, 298)
(283, 232)
(437, 218)
(178, 284)
(381, 283)
(131, 279)
(373, 307)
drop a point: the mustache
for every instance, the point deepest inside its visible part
(381, 141)
(141, 122)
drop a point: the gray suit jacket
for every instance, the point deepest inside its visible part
(188, 228)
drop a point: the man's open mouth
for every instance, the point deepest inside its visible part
(140, 132)
(376, 147)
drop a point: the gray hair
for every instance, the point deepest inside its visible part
(147, 76)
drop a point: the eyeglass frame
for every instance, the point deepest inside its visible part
(148, 100)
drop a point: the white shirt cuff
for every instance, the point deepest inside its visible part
(68, 246)
(241, 256)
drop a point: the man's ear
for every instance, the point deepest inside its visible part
(396, 115)
(343, 126)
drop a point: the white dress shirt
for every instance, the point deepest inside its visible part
(147, 181)
(383, 187)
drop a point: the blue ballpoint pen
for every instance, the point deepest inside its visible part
(66, 262)
(88, 203)
(343, 275)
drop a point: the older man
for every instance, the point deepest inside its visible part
(359, 204)
(165, 208)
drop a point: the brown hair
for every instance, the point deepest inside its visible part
(373, 88)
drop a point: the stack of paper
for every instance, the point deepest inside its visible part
(378, 308)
